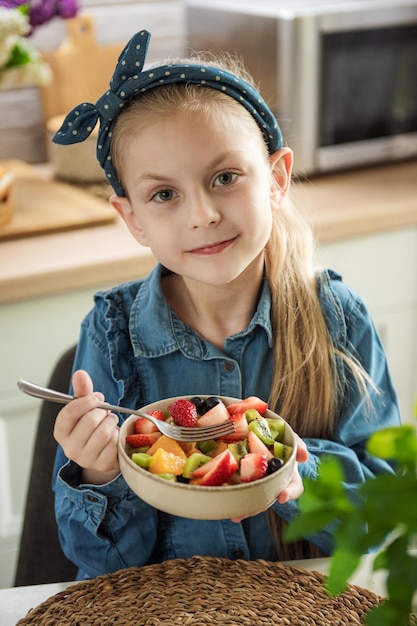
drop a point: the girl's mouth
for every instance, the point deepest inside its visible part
(213, 248)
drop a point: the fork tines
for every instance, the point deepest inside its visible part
(208, 432)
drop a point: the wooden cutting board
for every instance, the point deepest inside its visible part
(39, 206)
(81, 68)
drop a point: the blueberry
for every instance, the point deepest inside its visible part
(182, 479)
(199, 404)
(210, 402)
(274, 465)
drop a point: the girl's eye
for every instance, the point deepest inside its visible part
(165, 195)
(226, 178)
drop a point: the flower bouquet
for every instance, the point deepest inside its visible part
(20, 62)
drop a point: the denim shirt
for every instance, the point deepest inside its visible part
(138, 351)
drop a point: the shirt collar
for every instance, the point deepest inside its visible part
(155, 330)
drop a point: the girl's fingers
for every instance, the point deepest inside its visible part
(82, 384)
(70, 417)
(293, 490)
(302, 452)
(100, 449)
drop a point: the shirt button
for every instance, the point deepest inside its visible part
(229, 366)
(92, 498)
(238, 553)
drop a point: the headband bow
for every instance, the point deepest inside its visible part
(130, 80)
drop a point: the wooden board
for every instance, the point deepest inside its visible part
(39, 206)
(81, 68)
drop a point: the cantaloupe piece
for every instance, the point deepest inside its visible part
(169, 445)
(221, 446)
(189, 447)
(164, 462)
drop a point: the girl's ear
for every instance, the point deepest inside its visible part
(125, 210)
(281, 163)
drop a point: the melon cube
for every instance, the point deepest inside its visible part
(169, 445)
(164, 462)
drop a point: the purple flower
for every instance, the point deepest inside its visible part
(42, 11)
(68, 8)
(11, 4)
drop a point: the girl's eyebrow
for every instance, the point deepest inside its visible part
(150, 176)
(146, 176)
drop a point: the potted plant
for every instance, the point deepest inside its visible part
(384, 514)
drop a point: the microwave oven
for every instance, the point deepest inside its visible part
(340, 76)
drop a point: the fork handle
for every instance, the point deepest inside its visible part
(43, 393)
(61, 398)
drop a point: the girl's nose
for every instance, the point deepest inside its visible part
(202, 211)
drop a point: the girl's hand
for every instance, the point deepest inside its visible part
(88, 435)
(295, 487)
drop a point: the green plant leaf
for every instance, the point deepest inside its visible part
(382, 512)
(24, 8)
(342, 565)
(391, 501)
(402, 572)
(387, 615)
(19, 56)
(398, 442)
(324, 501)
(380, 561)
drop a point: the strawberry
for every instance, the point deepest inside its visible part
(142, 425)
(216, 415)
(256, 445)
(249, 403)
(253, 466)
(183, 413)
(200, 471)
(217, 471)
(160, 415)
(140, 440)
(241, 428)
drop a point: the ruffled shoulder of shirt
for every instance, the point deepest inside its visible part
(341, 305)
(108, 327)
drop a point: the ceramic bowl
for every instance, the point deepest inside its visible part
(205, 503)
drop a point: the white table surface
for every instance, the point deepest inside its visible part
(16, 602)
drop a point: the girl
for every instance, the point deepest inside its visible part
(234, 307)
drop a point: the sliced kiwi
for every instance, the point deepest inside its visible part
(282, 451)
(142, 459)
(277, 428)
(167, 476)
(207, 446)
(140, 449)
(261, 429)
(193, 462)
(252, 414)
(238, 449)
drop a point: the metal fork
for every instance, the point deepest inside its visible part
(180, 433)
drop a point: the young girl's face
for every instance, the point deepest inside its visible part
(199, 194)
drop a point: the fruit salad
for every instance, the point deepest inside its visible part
(254, 450)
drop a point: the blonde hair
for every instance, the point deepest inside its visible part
(306, 388)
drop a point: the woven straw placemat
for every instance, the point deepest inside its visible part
(204, 590)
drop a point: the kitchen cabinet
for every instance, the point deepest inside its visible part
(33, 334)
(382, 267)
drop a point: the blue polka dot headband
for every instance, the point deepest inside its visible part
(130, 80)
